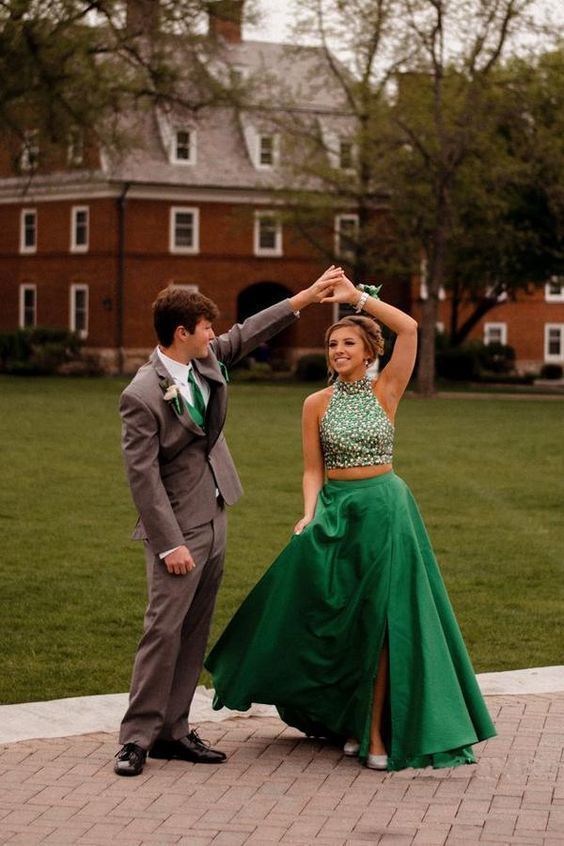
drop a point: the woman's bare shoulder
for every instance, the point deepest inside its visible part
(318, 401)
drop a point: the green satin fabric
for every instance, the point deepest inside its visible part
(308, 636)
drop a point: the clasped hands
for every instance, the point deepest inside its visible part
(334, 286)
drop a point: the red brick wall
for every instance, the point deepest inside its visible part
(224, 267)
(525, 317)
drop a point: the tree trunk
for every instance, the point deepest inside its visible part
(483, 307)
(426, 367)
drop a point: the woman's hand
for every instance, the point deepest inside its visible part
(301, 524)
(343, 292)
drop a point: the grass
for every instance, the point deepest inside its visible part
(486, 473)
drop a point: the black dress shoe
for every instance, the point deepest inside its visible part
(189, 748)
(130, 760)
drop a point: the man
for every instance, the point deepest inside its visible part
(181, 473)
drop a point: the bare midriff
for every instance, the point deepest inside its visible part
(352, 473)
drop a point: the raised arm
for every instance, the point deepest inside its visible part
(394, 378)
(243, 338)
(314, 470)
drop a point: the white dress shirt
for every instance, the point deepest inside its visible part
(179, 374)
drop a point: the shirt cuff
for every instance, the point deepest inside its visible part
(168, 551)
(296, 314)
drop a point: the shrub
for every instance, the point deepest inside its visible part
(38, 351)
(497, 358)
(551, 371)
(311, 367)
(459, 363)
(254, 371)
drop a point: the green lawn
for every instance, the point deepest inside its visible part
(487, 475)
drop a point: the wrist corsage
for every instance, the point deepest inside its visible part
(366, 291)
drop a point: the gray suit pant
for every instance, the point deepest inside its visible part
(170, 654)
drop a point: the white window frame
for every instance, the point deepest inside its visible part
(548, 295)
(29, 156)
(79, 248)
(27, 286)
(502, 327)
(195, 212)
(266, 165)
(344, 254)
(74, 289)
(23, 247)
(192, 145)
(278, 246)
(548, 356)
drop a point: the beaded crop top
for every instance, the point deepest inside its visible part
(355, 431)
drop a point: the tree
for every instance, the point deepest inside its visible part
(80, 65)
(414, 146)
(508, 231)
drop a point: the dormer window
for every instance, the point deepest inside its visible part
(267, 150)
(346, 236)
(554, 290)
(29, 157)
(75, 148)
(346, 155)
(184, 146)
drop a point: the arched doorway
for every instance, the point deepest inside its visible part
(257, 297)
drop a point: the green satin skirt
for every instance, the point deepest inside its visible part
(308, 636)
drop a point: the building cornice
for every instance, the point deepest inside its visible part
(45, 192)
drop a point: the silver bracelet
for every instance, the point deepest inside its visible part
(362, 302)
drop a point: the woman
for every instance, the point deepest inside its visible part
(350, 633)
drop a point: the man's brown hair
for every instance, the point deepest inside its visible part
(175, 307)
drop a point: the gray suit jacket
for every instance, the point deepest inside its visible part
(173, 466)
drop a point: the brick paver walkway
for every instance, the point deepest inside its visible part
(279, 787)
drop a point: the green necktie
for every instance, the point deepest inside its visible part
(198, 409)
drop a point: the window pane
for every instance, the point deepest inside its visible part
(29, 307)
(267, 233)
(183, 145)
(29, 229)
(266, 150)
(345, 155)
(554, 341)
(184, 229)
(80, 309)
(81, 228)
(347, 235)
(556, 286)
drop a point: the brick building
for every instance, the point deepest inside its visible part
(87, 240)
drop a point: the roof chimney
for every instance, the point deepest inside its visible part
(143, 17)
(225, 18)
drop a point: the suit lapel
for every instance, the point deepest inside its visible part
(184, 418)
(217, 404)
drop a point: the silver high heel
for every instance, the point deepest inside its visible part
(351, 748)
(377, 762)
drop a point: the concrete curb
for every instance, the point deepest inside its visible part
(87, 714)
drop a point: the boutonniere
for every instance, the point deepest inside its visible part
(171, 395)
(224, 371)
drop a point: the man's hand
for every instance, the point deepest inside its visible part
(180, 561)
(320, 289)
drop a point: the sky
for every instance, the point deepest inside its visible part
(277, 18)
